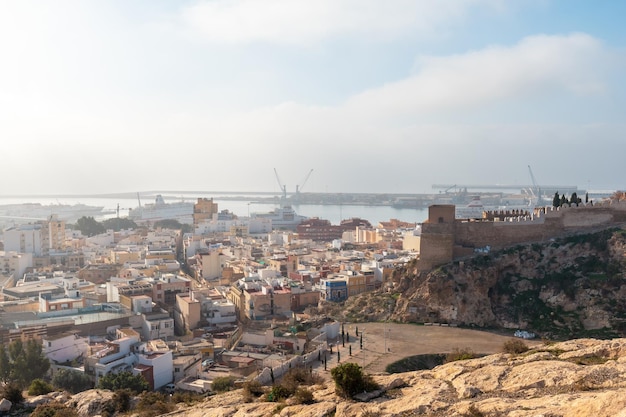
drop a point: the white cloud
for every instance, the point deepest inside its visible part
(446, 89)
(305, 21)
(536, 66)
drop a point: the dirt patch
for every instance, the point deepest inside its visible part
(385, 343)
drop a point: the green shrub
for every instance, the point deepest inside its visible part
(122, 399)
(299, 376)
(124, 380)
(72, 381)
(186, 397)
(303, 396)
(223, 383)
(279, 393)
(514, 346)
(39, 387)
(350, 380)
(54, 409)
(13, 392)
(460, 355)
(251, 390)
(153, 404)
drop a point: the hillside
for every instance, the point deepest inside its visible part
(561, 289)
(584, 377)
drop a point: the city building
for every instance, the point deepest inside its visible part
(64, 347)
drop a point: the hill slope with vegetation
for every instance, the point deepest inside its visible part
(564, 288)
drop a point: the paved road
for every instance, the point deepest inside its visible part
(385, 343)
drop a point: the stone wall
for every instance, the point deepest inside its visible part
(443, 240)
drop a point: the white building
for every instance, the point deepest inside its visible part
(157, 325)
(155, 361)
(186, 366)
(26, 238)
(152, 359)
(71, 299)
(64, 347)
(212, 264)
(15, 263)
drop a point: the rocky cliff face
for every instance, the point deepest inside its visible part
(571, 287)
(584, 377)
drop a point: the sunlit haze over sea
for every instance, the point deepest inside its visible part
(333, 213)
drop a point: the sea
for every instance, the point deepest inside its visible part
(242, 208)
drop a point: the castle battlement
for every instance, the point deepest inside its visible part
(445, 238)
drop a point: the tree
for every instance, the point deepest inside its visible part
(586, 198)
(88, 226)
(72, 381)
(116, 224)
(5, 365)
(173, 224)
(564, 200)
(124, 380)
(350, 380)
(556, 201)
(26, 362)
(574, 199)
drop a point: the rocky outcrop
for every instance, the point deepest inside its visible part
(585, 377)
(582, 377)
(563, 288)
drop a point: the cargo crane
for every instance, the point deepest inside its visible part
(535, 190)
(283, 188)
(301, 186)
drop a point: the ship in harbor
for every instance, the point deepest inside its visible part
(475, 208)
(284, 217)
(31, 212)
(182, 211)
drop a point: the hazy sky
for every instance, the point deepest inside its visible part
(374, 95)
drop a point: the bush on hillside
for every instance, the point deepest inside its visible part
(460, 355)
(350, 380)
(13, 392)
(223, 383)
(54, 409)
(39, 387)
(514, 346)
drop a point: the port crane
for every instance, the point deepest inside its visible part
(301, 186)
(535, 190)
(283, 188)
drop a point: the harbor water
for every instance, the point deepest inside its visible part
(333, 213)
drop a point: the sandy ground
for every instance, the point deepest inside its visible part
(385, 343)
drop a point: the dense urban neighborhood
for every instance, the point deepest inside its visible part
(184, 304)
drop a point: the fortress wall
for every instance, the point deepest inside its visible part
(552, 223)
(436, 249)
(444, 239)
(500, 234)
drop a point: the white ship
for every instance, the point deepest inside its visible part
(29, 212)
(181, 211)
(284, 217)
(475, 208)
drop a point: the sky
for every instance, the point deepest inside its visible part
(380, 96)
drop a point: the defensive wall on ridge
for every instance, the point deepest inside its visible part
(445, 238)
